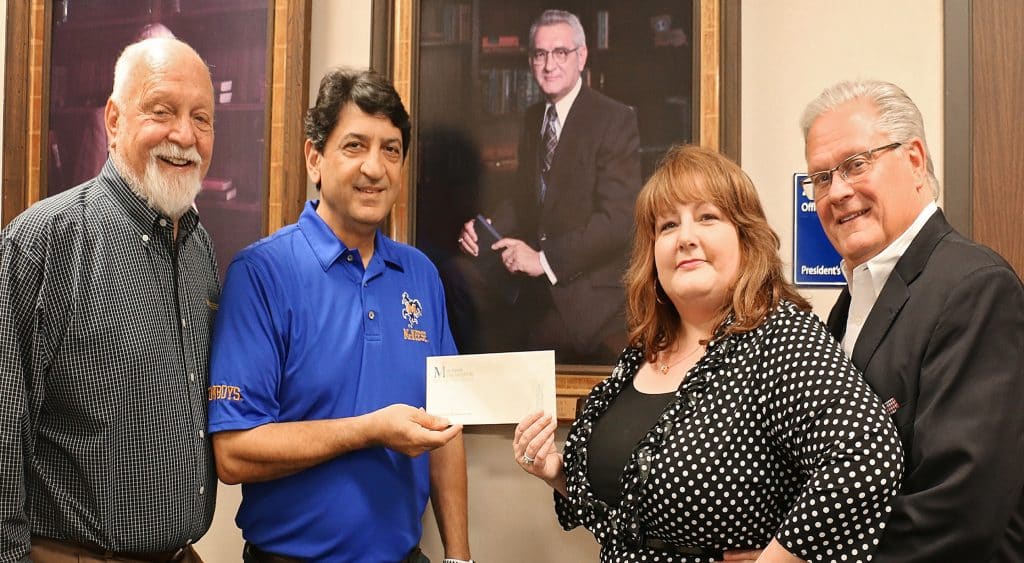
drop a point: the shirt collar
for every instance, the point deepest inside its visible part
(138, 211)
(565, 104)
(328, 248)
(882, 264)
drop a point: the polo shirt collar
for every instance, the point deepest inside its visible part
(135, 207)
(328, 248)
(386, 249)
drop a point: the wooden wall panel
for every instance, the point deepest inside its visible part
(997, 170)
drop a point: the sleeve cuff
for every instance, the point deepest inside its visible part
(547, 268)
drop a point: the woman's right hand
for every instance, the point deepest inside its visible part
(534, 448)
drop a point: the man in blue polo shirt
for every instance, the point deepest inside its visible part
(318, 363)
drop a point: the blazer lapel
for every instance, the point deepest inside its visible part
(838, 315)
(894, 295)
(897, 290)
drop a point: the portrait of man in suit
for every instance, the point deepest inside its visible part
(546, 272)
(935, 322)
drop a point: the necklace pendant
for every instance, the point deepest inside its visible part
(663, 368)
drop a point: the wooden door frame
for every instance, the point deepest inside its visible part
(956, 156)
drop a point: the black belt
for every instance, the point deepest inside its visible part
(662, 545)
(257, 555)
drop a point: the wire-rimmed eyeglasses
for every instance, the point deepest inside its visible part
(559, 54)
(853, 169)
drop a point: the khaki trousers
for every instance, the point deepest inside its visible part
(46, 550)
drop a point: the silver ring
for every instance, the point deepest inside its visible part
(527, 459)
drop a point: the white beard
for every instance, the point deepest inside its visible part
(171, 194)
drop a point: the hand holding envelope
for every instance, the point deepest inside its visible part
(411, 431)
(491, 388)
(533, 447)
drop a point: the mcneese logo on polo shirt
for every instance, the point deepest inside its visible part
(412, 310)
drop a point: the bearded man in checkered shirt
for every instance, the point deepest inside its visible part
(107, 297)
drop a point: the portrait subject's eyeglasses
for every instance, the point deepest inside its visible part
(853, 170)
(560, 54)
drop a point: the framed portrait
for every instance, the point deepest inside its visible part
(69, 64)
(473, 82)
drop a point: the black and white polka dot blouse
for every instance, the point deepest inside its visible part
(773, 434)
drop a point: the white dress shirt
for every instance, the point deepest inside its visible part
(867, 280)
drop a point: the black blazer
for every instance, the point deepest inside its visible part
(945, 341)
(585, 223)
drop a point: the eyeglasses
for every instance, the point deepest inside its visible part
(853, 170)
(558, 54)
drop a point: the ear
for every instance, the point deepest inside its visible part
(582, 56)
(313, 158)
(918, 158)
(111, 114)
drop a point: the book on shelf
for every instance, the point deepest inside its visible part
(602, 29)
(212, 184)
(451, 24)
(458, 23)
(217, 195)
(498, 151)
(506, 90)
(500, 44)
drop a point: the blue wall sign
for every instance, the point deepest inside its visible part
(815, 262)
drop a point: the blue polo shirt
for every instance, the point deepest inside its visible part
(304, 332)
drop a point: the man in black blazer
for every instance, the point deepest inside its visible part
(935, 322)
(567, 226)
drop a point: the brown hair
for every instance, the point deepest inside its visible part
(688, 174)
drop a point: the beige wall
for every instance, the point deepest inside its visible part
(793, 49)
(340, 36)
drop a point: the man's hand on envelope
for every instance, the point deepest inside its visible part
(409, 430)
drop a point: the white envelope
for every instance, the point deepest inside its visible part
(491, 388)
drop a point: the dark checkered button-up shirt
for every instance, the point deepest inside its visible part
(104, 345)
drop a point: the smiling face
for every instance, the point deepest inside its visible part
(556, 80)
(162, 127)
(861, 220)
(696, 255)
(358, 173)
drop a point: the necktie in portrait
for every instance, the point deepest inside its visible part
(549, 141)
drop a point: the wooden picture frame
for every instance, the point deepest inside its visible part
(716, 72)
(28, 90)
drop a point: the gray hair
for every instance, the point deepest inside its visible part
(147, 51)
(898, 116)
(553, 17)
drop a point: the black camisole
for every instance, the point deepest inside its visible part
(616, 433)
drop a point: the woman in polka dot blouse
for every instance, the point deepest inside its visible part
(734, 422)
